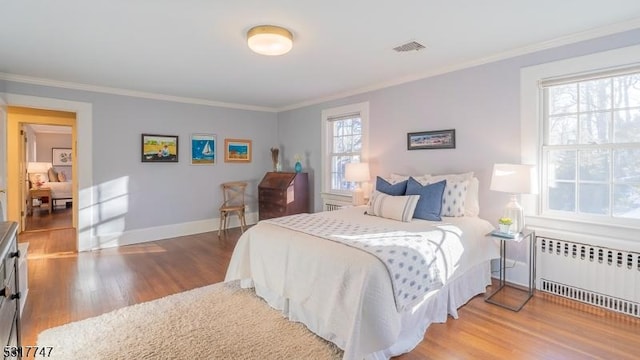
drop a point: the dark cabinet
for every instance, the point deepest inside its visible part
(9, 293)
(283, 193)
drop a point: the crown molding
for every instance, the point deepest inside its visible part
(126, 92)
(560, 41)
(564, 40)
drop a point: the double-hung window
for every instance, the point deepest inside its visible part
(591, 147)
(344, 141)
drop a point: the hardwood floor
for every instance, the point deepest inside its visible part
(65, 286)
(60, 217)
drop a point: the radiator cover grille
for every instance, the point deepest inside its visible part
(595, 275)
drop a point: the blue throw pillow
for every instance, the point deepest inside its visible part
(397, 189)
(430, 203)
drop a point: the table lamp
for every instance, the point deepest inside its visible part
(357, 172)
(514, 179)
(38, 167)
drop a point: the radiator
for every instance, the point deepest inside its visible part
(331, 203)
(332, 207)
(599, 276)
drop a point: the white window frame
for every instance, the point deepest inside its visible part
(532, 131)
(326, 142)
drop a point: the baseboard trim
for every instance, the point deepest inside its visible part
(517, 272)
(137, 236)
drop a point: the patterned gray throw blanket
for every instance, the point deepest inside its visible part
(409, 257)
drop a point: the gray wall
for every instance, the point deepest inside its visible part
(144, 195)
(47, 141)
(482, 103)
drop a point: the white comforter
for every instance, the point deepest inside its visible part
(341, 293)
(59, 190)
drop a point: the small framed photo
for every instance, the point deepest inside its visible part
(237, 150)
(61, 157)
(440, 139)
(159, 148)
(203, 149)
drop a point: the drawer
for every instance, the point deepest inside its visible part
(276, 209)
(8, 311)
(273, 201)
(272, 197)
(7, 263)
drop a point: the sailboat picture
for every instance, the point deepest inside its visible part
(203, 149)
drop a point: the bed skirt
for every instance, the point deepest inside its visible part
(435, 308)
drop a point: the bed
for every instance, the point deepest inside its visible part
(347, 295)
(59, 190)
(57, 181)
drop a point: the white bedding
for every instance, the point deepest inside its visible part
(59, 190)
(344, 294)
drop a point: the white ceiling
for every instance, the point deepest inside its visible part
(197, 49)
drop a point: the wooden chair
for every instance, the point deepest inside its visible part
(233, 193)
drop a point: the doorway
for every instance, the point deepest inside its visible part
(36, 140)
(49, 204)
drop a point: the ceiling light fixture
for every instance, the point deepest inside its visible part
(269, 40)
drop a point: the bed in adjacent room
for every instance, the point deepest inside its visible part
(361, 277)
(57, 181)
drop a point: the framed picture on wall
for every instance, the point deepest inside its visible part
(203, 149)
(159, 148)
(440, 139)
(237, 150)
(61, 157)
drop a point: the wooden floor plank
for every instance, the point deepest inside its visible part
(65, 286)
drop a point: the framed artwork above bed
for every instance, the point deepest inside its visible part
(440, 139)
(61, 157)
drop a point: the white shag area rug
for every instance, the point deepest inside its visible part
(220, 321)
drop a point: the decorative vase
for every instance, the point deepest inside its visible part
(298, 167)
(504, 228)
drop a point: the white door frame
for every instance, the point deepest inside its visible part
(84, 155)
(3, 159)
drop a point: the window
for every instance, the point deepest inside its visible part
(344, 141)
(591, 146)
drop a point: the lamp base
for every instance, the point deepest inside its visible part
(357, 197)
(515, 212)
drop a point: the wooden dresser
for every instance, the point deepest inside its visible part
(283, 193)
(9, 291)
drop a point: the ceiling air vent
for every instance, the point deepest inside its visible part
(410, 46)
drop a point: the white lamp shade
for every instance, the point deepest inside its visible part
(38, 167)
(357, 172)
(270, 40)
(513, 178)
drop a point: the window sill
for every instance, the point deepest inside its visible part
(601, 234)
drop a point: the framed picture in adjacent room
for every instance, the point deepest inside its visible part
(159, 148)
(237, 150)
(61, 157)
(440, 139)
(203, 149)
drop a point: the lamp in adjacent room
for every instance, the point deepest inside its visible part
(38, 167)
(270, 40)
(357, 172)
(514, 179)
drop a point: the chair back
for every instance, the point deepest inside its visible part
(233, 194)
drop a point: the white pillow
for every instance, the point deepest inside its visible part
(396, 178)
(448, 177)
(454, 198)
(393, 207)
(471, 202)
